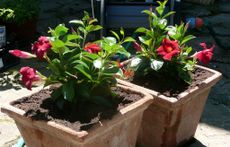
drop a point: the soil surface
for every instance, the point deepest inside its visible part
(40, 106)
(171, 87)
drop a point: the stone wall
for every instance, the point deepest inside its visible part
(216, 18)
(54, 12)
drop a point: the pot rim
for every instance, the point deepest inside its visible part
(184, 96)
(81, 136)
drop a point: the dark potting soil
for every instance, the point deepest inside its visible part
(171, 87)
(40, 106)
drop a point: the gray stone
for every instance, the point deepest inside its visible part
(224, 41)
(191, 10)
(224, 7)
(220, 24)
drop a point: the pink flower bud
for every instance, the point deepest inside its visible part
(21, 54)
(28, 76)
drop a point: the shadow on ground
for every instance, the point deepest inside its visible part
(10, 80)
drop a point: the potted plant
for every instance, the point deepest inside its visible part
(23, 23)
(85, 106)
(166, 67)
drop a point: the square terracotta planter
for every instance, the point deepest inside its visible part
(170, 122)
(120, 131)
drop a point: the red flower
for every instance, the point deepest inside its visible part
(168, 49)
(92, 48)
(21, 54)
(205, 55)
(137, 46)
(41, 46)
(28, 76)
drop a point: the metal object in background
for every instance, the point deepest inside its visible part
(2, 36)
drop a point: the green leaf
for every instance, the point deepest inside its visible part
(83, 70)
(140, 30)
(68, 91)
(92, 28)
(56, 93)
(72, 44)
(187, 38)
(168, 14)
(129, 39)
(122, 32)
(90, 55)
(54, 66)
(189, 66)
(86, 16)
(155, 64)
(116, 35)
(162, 23)
(77, 22)
(72, 37)
(149, 13)
(92, 21)
(145, 40)
(188, 50)
(110, 71)
(82, 30)
(160, 10)
(135, 62)
(81, 63)
(97, 63)
(185, 75)
(57, 45)
(60, 30)
(110, 40)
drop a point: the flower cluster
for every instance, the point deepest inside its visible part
(84, 69)
(162, 48)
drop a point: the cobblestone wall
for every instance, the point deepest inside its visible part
(54, 12)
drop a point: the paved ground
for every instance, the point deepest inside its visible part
(213, 130)
(214, 127)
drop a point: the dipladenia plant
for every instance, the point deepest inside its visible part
(162, 48)
(84, 69)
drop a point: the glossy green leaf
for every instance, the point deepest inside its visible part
(60, 30)
(92, 21)
(68, 91)
(110, 71)
(57, 45)
(122, 32)
(116, 35)
(155, 64)
(83, 70)
(140, 30)
(187, 38)
(129, 39)
(77, 22)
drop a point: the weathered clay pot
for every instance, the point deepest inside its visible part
(120, 131)
(169, 121)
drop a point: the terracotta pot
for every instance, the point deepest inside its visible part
(169, 121)
(120, 131)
